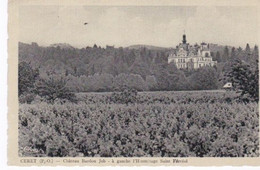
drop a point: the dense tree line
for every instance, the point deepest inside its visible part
(93, 69)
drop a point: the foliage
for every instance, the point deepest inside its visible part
(26, 77)
(53, 87)
(124, 96)
(204, 78)
(158, 124)
(96, 69)
(133, 81)
(27, 97)
(151, 83)
(245, 79)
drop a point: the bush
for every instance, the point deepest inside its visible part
(127, 95)
(26, 98)
(38, 99)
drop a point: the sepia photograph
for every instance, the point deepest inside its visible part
(104, 81)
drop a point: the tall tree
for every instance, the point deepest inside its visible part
(218, 57)
(204, 78)
(256, 52)
(26, 77)
(161, 75)
(151, 83)
(247, 48)
(233, 53)
(239, 49)
(225, 54)
(246, 79)
(53, 87)
(140, 67)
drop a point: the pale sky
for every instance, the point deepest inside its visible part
(124, 26)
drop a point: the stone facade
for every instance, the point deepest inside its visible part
(192, 57)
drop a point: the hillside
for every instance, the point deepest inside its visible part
(149, 47)
(62, 45)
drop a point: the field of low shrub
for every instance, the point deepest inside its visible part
(154, 124)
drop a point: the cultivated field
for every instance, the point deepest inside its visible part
(153, 124)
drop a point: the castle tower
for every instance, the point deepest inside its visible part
(184, 39)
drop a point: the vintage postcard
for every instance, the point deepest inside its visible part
(133, 83)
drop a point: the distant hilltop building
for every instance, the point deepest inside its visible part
(188, 56)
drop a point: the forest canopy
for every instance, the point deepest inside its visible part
(96, 69)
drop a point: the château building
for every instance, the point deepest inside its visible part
(191, 57)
